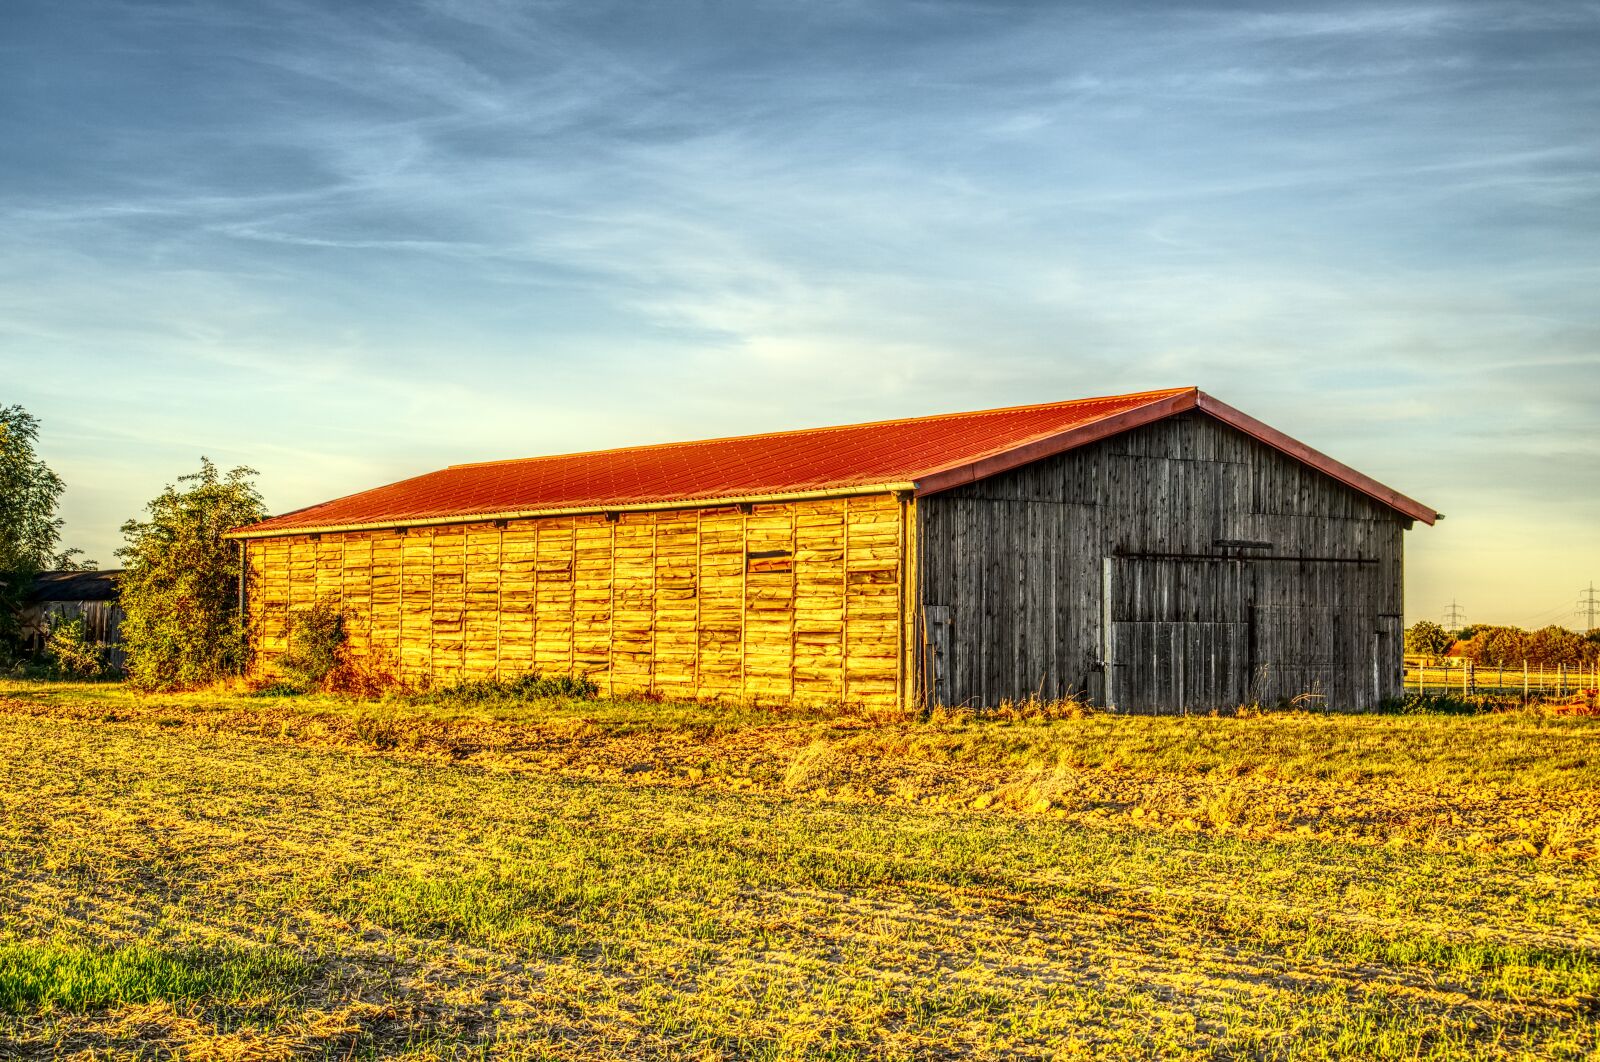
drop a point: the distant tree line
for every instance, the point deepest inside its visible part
(1491, 645)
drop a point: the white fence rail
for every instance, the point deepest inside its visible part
(1429, 674)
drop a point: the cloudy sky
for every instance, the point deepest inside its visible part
(344, 242)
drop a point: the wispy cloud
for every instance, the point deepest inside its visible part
(346, 242)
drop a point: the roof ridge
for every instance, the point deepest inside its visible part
(1158, 393)
(1026, 441)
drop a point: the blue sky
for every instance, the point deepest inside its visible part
(344, 243)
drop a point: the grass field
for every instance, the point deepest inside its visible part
(217, 876)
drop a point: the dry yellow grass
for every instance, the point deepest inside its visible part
(225, 877)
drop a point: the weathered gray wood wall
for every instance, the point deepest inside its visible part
(1126, 550)
(102, 622)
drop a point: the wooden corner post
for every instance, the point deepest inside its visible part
(1108, 640)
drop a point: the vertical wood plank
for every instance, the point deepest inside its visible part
(830, 616)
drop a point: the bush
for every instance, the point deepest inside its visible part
(319, 659)
(316, 645)
(367, 677)
(180, 588)
(15, 664)
(71, 654)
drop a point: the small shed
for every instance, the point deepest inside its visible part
(1159, 551)
(87, 595)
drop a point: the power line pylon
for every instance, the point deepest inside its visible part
(1589, 606)
(1454, 616)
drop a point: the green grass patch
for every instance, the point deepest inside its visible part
(77, 977)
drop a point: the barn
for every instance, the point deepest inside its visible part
(1151, 552)
(66, 595)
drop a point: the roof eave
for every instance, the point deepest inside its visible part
(251, 531)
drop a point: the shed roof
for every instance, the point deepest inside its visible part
(920, 454)
(74, 586)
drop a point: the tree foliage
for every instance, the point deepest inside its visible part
(29, 528)
(71, 560)
(29, 491)
(1552, 646)
(1428, 638)
(1489, 645)
(180, 590)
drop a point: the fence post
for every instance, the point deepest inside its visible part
(1524, 680)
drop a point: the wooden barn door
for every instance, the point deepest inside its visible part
(1318, 640)
(1177, 633)
(1192, 634)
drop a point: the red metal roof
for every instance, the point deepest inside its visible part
(924, 454)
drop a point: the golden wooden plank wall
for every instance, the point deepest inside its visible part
(799, 602)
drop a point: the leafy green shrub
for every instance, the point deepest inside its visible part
(316, 645)
(71, 653)
(180, 587)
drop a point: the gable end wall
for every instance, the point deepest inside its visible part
(1018, 565)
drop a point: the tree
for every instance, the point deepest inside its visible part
(29, 528)
(67, 561)
(1551, 646)
(1427, 638)
(1493, 646)
(1554, 646)
(179, 592)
